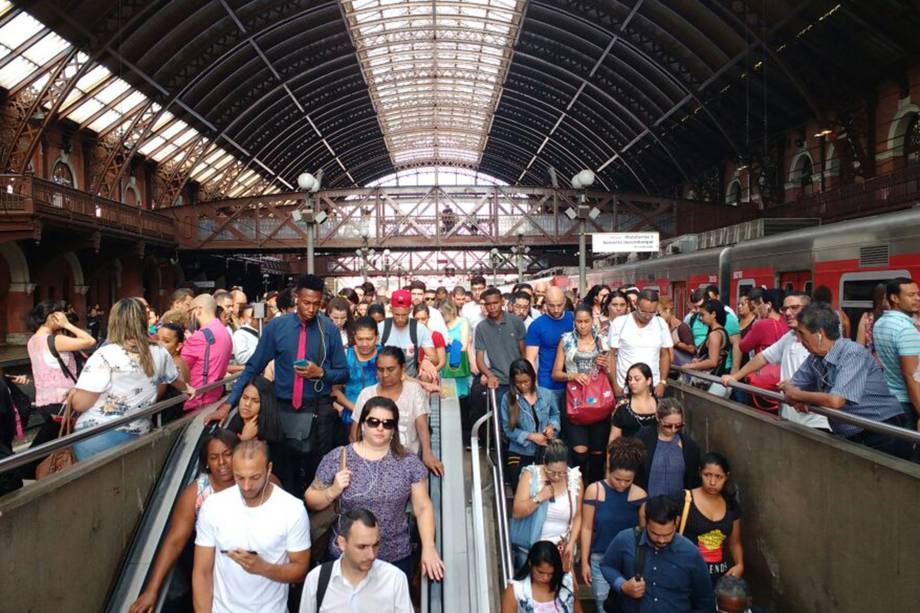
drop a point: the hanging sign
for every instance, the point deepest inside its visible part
(624, 242)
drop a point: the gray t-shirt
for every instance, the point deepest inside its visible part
(400, 337)
(501, 343)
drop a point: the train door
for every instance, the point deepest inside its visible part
(679, 296)
(795, 281)
(856, 290)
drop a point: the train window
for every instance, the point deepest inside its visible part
(744, 288)
(856, 291)
(789, 287)
(808, 287)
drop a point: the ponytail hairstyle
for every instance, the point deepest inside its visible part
(625, 453)
(518, 367)
(716, 308)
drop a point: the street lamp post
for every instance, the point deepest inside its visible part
(310, 185)
(495, 256)
(386, 267)
(519, 251)
(582, 181)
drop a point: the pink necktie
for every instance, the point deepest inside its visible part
(297, 394)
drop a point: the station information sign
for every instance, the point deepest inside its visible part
(624, 242)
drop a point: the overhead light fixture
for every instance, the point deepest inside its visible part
(571, 214)
(305, 181)
(823, 133)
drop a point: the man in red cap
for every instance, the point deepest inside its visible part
(409, 335)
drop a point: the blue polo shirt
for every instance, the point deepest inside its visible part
(676, 578)
(544, 332)
(895, 336)
(850, 372)
(279, 343)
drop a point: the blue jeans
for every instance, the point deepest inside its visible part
(558, 398)
(599, 586)
(87, 448)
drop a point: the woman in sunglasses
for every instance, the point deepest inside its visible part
(378, 474)
(672, 460)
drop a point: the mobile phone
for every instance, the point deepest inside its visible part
(226, 551)
(301, 363)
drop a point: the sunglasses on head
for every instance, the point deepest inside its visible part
(373, 422)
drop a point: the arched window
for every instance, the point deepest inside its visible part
(62, 174)
(733, 196)
(800, 175)
(912, 141)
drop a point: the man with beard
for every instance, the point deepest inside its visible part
(357, 580)
(306, 348)
(252, 540)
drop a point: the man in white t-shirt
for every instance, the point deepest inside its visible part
(472, 310)
(357, 581)
(640, 336)
(252, 540)
(789, 353)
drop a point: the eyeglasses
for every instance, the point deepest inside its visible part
(429, 298)
(373, 422)
(554, 474)
(674, 427)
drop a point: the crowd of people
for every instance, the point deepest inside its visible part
(325, 441)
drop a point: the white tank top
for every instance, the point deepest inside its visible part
(558, 519)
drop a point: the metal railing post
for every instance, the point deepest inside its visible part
(501, 503)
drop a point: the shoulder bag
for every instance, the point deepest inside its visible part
(591, 403)
(62, 458)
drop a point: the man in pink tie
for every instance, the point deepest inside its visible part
(309, 359)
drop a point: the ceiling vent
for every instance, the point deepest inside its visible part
(873, 256)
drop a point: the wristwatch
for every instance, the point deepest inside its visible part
(535, 499)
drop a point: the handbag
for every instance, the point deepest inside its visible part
(297, 429)
(590, 403)
(62, 458)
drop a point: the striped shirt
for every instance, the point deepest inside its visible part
(850, 372)
(895, 336)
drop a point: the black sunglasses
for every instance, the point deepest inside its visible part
(373, 422)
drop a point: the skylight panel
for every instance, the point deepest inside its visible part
(45, 48)
(19, 29)
(434, 91)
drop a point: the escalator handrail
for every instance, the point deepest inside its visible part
(866, 424)
(40, 451)
(501, 503)
(179, 469)
(479, 535)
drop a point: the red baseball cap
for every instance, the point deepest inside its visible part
(401, 299)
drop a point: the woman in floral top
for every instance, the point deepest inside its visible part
(121, 378)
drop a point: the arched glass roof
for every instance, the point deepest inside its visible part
(436, 175)
(434, 72)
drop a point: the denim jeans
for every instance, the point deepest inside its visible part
(599, 586)
(94, 445)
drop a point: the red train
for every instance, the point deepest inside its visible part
(849, 257)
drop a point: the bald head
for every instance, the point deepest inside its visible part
(206, 303)
(554, 303)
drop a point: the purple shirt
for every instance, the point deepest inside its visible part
(218, 359)
(383, 487)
